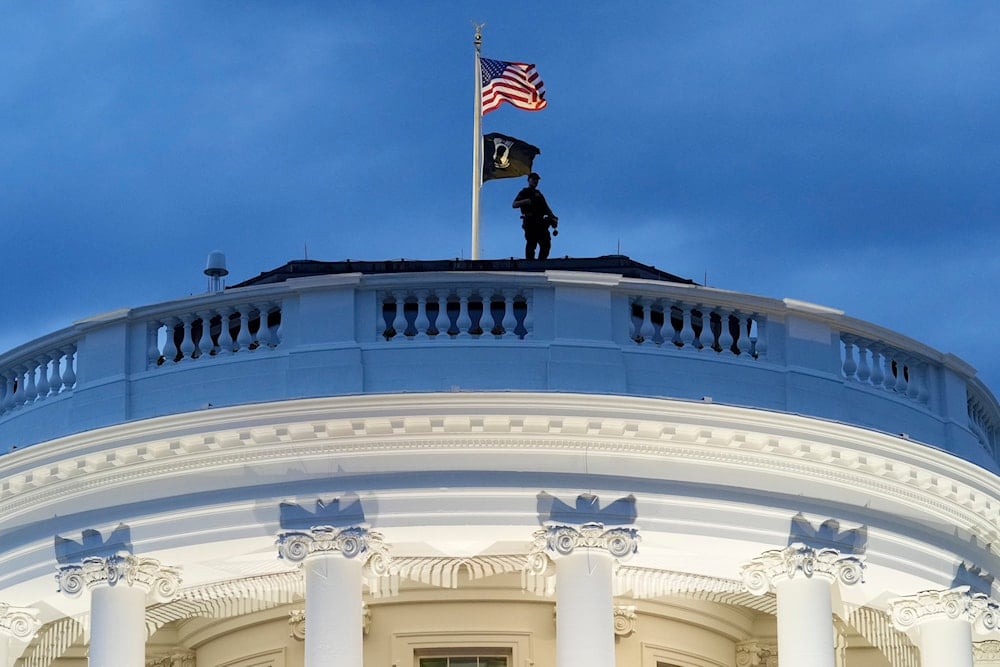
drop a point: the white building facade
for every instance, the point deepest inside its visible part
(494, 464)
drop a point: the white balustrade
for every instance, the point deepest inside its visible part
(446, 313)
(38, 378)
(694, 328)
(208, 333)
(891, 370)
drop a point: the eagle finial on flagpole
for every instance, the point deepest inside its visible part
(479, 33)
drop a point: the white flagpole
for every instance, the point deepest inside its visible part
(477, 145)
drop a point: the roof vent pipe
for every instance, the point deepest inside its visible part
(215, 269)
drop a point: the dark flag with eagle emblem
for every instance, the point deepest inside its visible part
(506, 157)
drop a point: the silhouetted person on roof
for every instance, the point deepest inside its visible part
(536, 218)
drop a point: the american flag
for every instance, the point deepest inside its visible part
(515, 83)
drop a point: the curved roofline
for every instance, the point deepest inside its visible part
(616, 264)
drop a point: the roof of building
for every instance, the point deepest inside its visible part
(617, 264)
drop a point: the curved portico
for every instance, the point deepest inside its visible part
(455, 478)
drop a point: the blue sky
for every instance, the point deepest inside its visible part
(841, 153)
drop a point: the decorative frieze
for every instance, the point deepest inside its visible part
(986, 652)
(625, 620)
(297, 622)
(958, 604)
(760, 574)
(753, 653)
(350, 542)
(120, 569)
(18, 622)
(177, 658)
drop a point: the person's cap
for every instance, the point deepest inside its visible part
(535, 176)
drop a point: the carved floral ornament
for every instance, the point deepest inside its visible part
(756, 654)
(625, 621)
(350, 542)
(760, 574)
(18, 622)
(957, 604)
(986, 651)
(121, 568)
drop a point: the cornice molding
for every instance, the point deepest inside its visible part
(879, 465)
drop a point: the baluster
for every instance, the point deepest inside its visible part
(69, 372)
(42, 385)
(742, 334)
(243, 339)
(187, 342)
(864, 370)
(19, 390)
(442, 323)
(264, 334)
(913, 382)
(889, 382)
(529, 316)
(205, 345)
(646, 329)
(486, 321)
(901, 382)
(671, 311)
(725, 333)
(850, 367)
(422, 324)
(30, 391)
(706, 340)
(55, 380)
(279, 331)
(381, 326)
(6, 392)
(399, 322)
(687, 327)
(170, 344)
(509, 322)
(464, 322)
(760, 342)
(225, 345)
(877, 364)
(153, 343)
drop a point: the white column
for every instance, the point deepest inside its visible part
(332, 563)
(117, 626)
(802, 578)
(585, 559)
(941, 622)
(119, 586)
(585, 633)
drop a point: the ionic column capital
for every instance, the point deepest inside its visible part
(956, 604)
(18, 622)
(762, 573)
(120, 569)
(350, 542)
(563, 539)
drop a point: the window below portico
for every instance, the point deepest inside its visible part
(487, 658)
